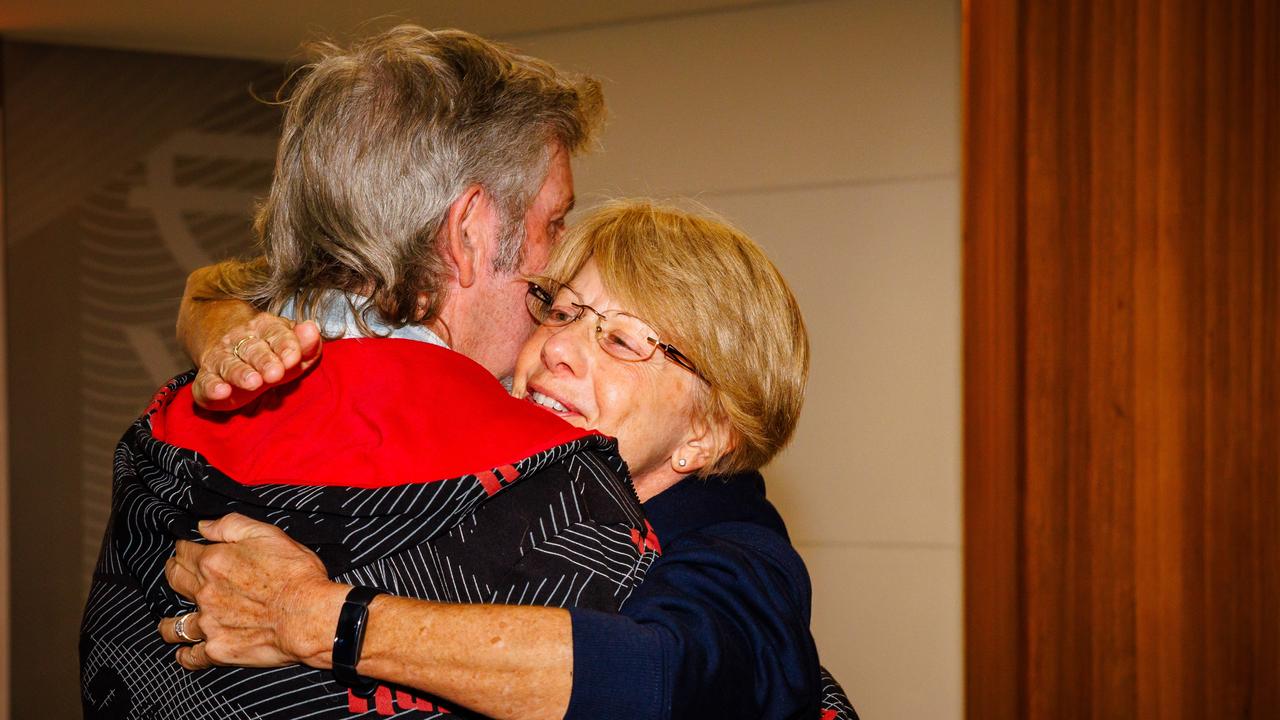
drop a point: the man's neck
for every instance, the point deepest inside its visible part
(335, 314)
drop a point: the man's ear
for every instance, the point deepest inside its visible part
(420, 307)
(706, 442)
(469, 220)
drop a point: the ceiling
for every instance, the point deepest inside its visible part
(273, 29)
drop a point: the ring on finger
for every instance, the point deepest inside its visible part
(180, 628)
(236, 350)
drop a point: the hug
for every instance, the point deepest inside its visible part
(345, 512)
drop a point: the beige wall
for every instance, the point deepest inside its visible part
(829, 131)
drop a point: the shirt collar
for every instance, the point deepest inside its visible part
(695, 503)
(335, 315)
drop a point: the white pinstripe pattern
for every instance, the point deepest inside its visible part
(834, 699)
(410, 539)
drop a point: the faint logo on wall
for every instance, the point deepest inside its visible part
(185, 204)
(175, 200)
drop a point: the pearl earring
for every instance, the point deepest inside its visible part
(682, 462)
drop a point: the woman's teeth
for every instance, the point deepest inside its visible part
(547, 402)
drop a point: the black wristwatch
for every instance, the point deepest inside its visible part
(349, 637)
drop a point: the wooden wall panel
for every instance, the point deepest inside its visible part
(994, 631)
(5, 585)
(1122, 319)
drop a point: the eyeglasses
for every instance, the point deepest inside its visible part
(625, 337)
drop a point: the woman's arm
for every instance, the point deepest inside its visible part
(719, 629)
(503, 661)
(266, 601)
(239, 351)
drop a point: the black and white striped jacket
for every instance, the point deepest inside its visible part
(561, 527)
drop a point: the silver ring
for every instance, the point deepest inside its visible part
(180, 628)
(236, 350)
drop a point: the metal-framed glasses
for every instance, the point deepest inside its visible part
(624, 336)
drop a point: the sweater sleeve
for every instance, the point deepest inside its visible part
(719, 628)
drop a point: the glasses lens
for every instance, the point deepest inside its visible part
(627, 338)
(547, 308)
(538, 301)
(561, 313)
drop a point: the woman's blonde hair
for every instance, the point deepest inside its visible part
(713, 293)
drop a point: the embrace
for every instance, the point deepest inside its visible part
(344, 513)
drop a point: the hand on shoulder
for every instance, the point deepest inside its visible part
(265, 352)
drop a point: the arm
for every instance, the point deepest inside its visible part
(503, 661)
(713, 631)
(211, 326)
(266, 601)
(719, 628)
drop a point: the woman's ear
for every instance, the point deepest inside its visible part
(469, 217)
(705, 444)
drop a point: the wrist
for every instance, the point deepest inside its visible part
(306, 632)
(349, 639)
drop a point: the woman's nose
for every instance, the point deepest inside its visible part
(567, 348)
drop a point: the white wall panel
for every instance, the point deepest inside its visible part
(888, 625)
(876, 269)
(793, 94)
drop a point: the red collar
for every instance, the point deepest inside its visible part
(371, 413)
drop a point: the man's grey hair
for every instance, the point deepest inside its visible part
(378, 141)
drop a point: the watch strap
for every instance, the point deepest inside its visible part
(349, 638)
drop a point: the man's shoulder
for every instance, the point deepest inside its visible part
(373, 412)
(399, 366)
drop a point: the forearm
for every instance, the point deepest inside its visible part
(502, 661)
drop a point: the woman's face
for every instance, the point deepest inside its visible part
(648, 405)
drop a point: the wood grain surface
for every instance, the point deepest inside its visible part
(1122, 339)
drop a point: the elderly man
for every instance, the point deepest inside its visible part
(420, 176)
(427, 173)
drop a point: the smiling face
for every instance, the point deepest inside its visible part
(648, 405)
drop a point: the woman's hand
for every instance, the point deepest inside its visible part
(251, 357)
(263, 600)
(240, 352)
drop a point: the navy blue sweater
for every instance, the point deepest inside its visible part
(719, 627)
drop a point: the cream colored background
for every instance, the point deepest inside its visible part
(829, 131)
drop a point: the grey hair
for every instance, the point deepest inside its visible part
(379, 139)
